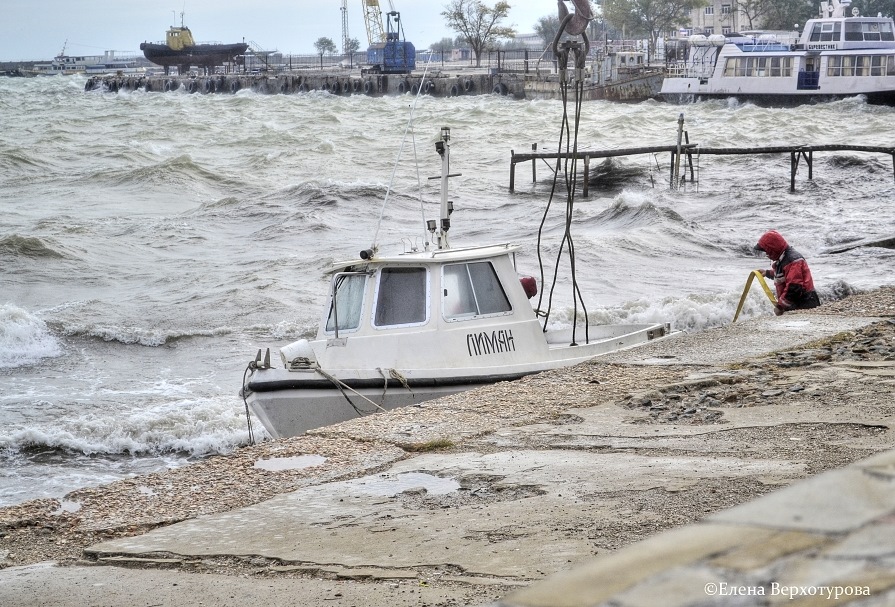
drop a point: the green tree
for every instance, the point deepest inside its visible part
(478, 24)
(546, 28)
(443, 45)
(651, 18)
(785, 14)
(871, 8)
(325, 45)
(353, 46)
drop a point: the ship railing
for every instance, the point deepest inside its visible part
(765, 46)
(684, 69)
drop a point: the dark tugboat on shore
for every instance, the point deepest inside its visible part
(180, 49)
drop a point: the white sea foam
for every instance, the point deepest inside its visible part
(24, 338)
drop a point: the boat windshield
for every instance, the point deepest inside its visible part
(402, 297)
(348, 302)
(472, 289)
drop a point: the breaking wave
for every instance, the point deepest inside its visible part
(24, 338)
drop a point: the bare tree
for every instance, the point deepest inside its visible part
(752, 9)
(478, 24)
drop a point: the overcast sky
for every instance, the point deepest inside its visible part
(38, 29)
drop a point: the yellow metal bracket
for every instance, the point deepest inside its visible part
(764, 285)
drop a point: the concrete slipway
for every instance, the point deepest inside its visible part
(512, 517)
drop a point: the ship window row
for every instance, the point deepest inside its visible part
(758, 66)
(860, 65)
(872, 31)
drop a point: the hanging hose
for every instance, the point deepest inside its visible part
(752, 275)
(570, 166)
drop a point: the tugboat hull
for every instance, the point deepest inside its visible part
(201, 55)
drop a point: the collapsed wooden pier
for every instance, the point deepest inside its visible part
(684, 152)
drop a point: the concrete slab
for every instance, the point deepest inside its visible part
(739, 341)
(835, 502)
(47, 585)
(380, 521)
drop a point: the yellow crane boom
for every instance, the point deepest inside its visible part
(373, 21)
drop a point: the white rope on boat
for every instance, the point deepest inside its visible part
(342, 386)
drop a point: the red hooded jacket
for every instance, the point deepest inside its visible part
(792, 278)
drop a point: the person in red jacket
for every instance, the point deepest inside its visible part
(792, 278)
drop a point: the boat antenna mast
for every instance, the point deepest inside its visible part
(438, 229)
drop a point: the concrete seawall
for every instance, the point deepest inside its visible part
(519, 86)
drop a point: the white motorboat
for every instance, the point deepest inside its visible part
(405, 328)
(836, 56)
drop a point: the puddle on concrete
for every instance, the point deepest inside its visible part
(279, 464)
(796, 324)
(389, 486)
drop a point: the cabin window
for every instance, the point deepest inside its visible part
(470, 290)
(826, 32)
(758, 66)
(348, 302)
(885, 32)
(402, 297)
(873, 31)
(857, 65)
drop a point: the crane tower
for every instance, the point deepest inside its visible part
(373, 21)
(345, 27)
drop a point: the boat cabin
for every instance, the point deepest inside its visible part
(474, 294)
(179, 38)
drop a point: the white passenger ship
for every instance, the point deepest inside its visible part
(836, 56)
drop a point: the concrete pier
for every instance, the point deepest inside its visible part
(438, 84)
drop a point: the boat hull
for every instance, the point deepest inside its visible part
(875, 97)
(295, 410)
(289, 403)
(203, 55)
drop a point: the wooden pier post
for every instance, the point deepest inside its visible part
(793, 166)
(586, 176)
(513, 171)
(534, 163)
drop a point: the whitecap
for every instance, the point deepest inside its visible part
(24, 338)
